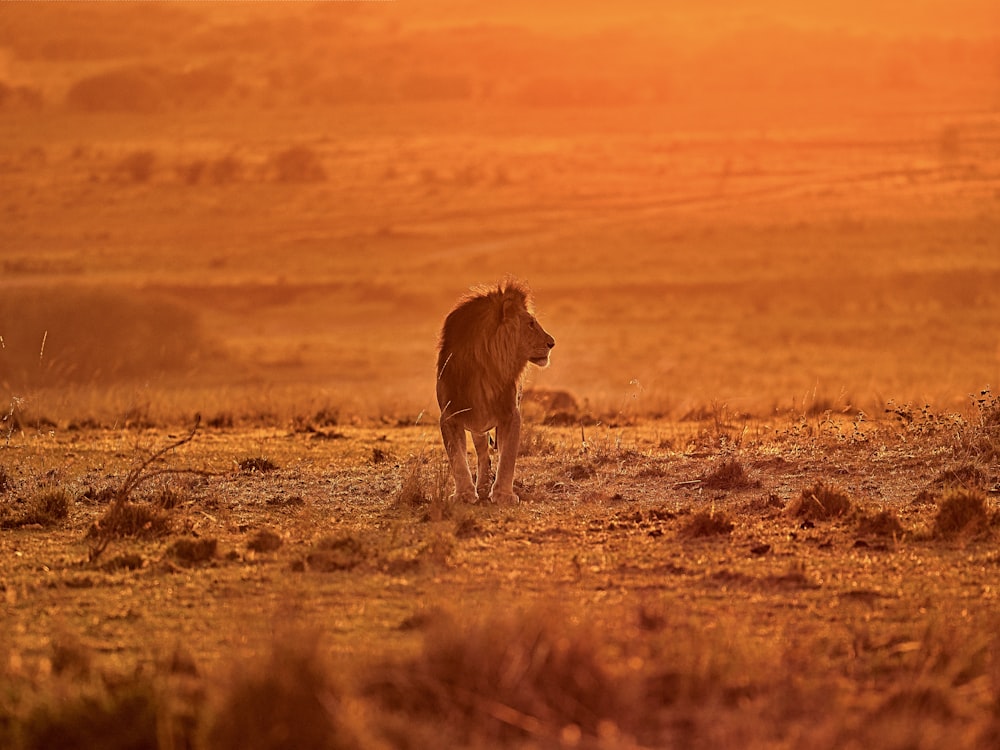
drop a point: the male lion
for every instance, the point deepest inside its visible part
(486, 342)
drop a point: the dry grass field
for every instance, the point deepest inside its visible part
(759, 479)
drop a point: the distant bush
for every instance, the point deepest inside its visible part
(146, 89)
(425, 87)
(136, 89)
(297, 164)
(19, 97)
(137, 166)
(59, 335)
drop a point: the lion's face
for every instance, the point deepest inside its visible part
(535, 342)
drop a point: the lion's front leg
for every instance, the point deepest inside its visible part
(453, 434)
(508, 439)
(482, 445)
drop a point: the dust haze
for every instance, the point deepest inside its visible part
(206, 204)
(758, 481)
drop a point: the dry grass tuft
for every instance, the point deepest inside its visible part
(820, 502)
(264, 540)
(167, 498)
(981, 437)
(426, 487)
(965, 475)
(119, 717)
(884, 523)
(509, 676)
(706, 523)
(335, 553)
(961, 512)
(730, 475)
(125, 518)
(47, 509)
(257, 465)
(288, 700)
(191, 550)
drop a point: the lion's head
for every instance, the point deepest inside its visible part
(486, 342)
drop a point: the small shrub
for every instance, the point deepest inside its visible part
(820, 502)
(298, 164)
(707, 524)
(961, 511)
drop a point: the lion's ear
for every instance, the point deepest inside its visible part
(511, 307)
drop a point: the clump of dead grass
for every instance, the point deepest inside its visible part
(125, 518)
(980, 437)
(511, 676)
(426, 487)
(334, 553)
(820, 502)
(963, 475)
(121, 716)
(287, 700)
(729, 475)
(193, 550)
(264, 540)
(46, 509)
(961, 511)
(256, 465)
(707, 523)
(885, 523)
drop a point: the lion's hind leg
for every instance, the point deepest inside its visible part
(453, 434)
(481, 441)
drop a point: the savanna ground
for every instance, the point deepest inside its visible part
(758, 481)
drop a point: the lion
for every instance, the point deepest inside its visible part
(486, 343)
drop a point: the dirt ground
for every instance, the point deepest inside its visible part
(758, 480)
(687, 553)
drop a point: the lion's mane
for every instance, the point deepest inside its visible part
(479, 358)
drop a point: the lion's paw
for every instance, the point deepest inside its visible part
(504, 498)
(465, 496)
